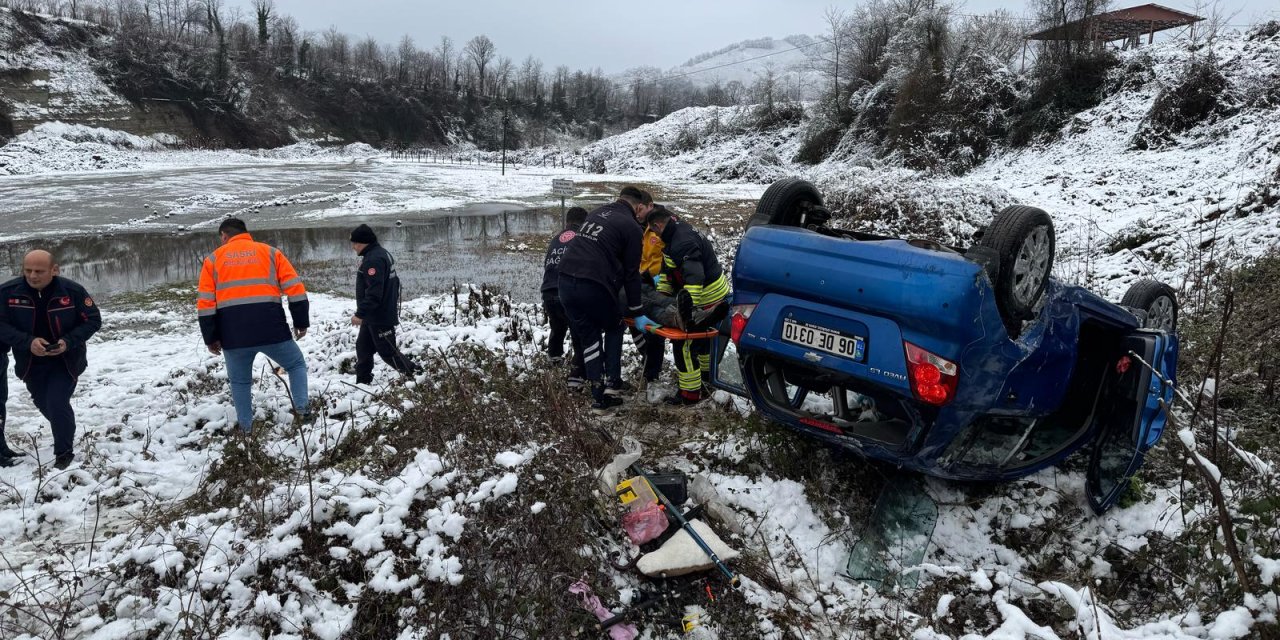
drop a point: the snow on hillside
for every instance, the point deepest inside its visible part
(1208, 191)
(708, 144)
(745, 62)
(57, 147)
(1120, 212)
(72, 84)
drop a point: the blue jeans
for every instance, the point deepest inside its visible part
(240, 375)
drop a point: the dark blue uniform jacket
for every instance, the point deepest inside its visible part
(377, 288)
(551, 262)
(72, 316)
(606, 250)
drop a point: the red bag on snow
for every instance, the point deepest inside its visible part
(645, 524)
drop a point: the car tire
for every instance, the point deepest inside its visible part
(1157, 300)
(782, 203)
(1024, 240)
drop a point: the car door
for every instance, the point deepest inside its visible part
(1132, 414)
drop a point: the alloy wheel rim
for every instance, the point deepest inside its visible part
(1160, 314)
(1031, 265)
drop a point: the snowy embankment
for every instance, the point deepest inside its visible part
(156, 449)
(1121, 212)
(57, 147)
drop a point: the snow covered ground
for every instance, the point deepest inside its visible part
(155, 446)
(147, 501)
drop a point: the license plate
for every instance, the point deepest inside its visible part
(822, 339)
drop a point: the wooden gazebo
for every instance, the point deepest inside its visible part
(1124, 24)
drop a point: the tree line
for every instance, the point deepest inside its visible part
(227, 54)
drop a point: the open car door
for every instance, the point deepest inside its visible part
(726, 370)
(1131, 416)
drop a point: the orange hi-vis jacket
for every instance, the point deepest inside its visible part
(239, 295)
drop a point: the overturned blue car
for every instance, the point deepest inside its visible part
(963, 363)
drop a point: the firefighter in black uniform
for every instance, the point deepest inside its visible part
(691, 272)
(551, 296)
(377, 307)
(46, 320)
(603, 258)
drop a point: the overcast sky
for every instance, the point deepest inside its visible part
(609, 34)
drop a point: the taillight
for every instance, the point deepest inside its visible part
(933, 378)
(738, 316)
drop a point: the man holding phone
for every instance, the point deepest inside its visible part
(47, 321)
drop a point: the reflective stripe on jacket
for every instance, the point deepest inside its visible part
(689, 262)
(239, 295)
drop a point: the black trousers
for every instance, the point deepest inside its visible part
(652, 348)
(382, 341)
(593, 314)
(51, 386)
(4, 395)
(559, 321)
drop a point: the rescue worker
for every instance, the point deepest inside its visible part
(603, 258)
(238, 304)
(47, 320)
(551, 297)
(377, 307)
(692, 273)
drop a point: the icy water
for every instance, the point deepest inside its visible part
(470, 246)
(267, 195)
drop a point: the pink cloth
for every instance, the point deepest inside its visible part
(591, 603)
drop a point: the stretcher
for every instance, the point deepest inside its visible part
(672, 333)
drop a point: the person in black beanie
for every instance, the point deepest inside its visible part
(377, 307)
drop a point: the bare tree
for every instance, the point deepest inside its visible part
(263, 12)
(481, 51)
(502, 75)
(444, 52)
(831, 55)
(996, 34)
(406, 54)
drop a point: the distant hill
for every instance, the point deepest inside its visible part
(749, 59)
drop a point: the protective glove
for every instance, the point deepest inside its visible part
(643, 323)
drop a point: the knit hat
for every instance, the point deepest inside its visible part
(363, 234)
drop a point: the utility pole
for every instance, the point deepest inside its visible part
(504, 137)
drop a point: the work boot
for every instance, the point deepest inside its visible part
(605, 405)
(63, 461)
(619, 388)
(684, 398)
(6, 452)
(364, 379)
(6, 461)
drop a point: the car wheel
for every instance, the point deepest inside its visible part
(1159, 302)
(1024, 240)
(785, 202)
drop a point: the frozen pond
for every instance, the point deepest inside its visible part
(470, 246)
(265, 195)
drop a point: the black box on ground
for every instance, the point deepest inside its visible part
(673, 484)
